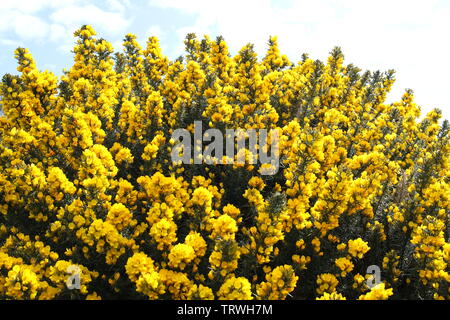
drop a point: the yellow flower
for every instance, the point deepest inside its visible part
(379, 292)
(326, 283)
(149, 284)
(345, 265)
(224, 228)
(164, 233)
(124, 155)
(357, 248)
(139, 264)
(279, 283)
(200, 292)
(331, 296)
(180, 255)
(119, 216)
(196, 241)
(235, 289)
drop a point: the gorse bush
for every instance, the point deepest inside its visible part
(87, 181)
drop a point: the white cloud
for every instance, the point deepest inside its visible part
(74, 16)
(34, 28)
(406, 35)
(10, 43)
(56, 20)
(118, 5)
(156, 31)
(57, 32)
(238, 21)
(28, 6)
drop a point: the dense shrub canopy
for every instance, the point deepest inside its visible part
(87, 179)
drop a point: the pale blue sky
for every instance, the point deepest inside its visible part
(408, 36)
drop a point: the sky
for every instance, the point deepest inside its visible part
(409, 36)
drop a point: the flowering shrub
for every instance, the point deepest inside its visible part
(87, 179)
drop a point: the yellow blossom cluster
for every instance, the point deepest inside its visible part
(279, 283)
(378, 292)
(93, 206)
